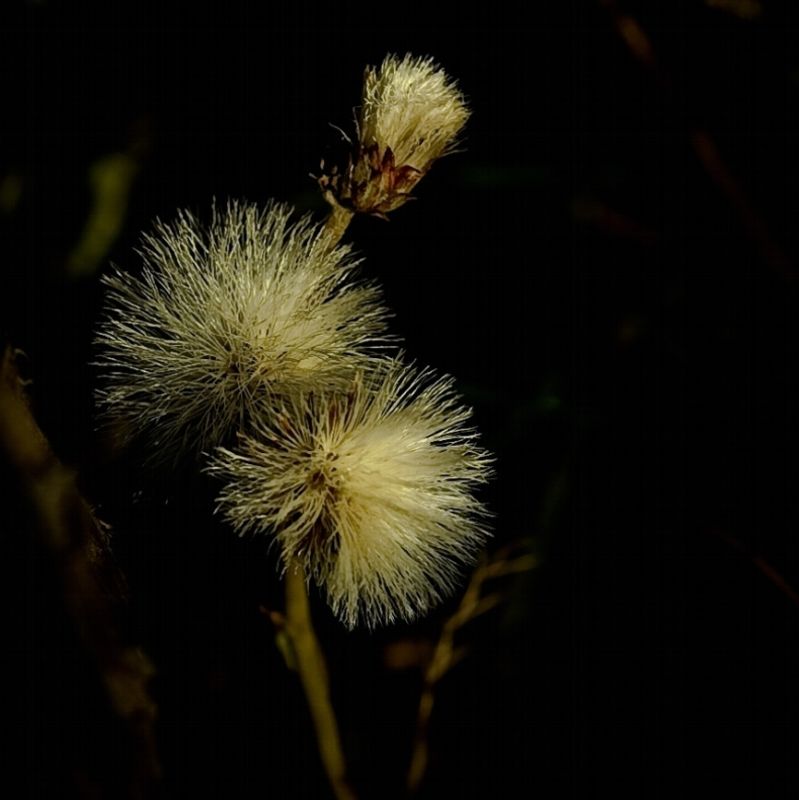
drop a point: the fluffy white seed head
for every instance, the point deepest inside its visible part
(413, 107)
(411, 114)
(372, 491)
(220, 319)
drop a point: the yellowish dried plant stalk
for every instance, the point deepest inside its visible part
(315, 682)
(446, 653)
(336, 223)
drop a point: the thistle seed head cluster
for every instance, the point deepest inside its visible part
(410, 115)
(371, 491)
(359, 467)
(223, 320)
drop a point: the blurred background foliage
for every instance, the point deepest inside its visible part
(609, 269)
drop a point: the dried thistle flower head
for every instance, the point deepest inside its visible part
(371, 491)
(411, 114)
(220, 318)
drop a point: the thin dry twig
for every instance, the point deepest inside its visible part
(447, 654)
(763, 566)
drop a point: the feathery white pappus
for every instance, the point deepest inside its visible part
(413, 107)
(221, 318)
(371, 491)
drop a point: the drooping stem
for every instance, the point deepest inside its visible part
(336, 223)
(313, 675)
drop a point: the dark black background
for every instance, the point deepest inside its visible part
(621, 315)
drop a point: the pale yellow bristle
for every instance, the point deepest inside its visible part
(372, 491)
(219, 318)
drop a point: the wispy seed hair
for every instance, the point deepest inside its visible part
(412, 106)
(253, 306)
(372, 491)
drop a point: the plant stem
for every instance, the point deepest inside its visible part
(446, 654)
(313, 674)
(440, 662)
(336, 223)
